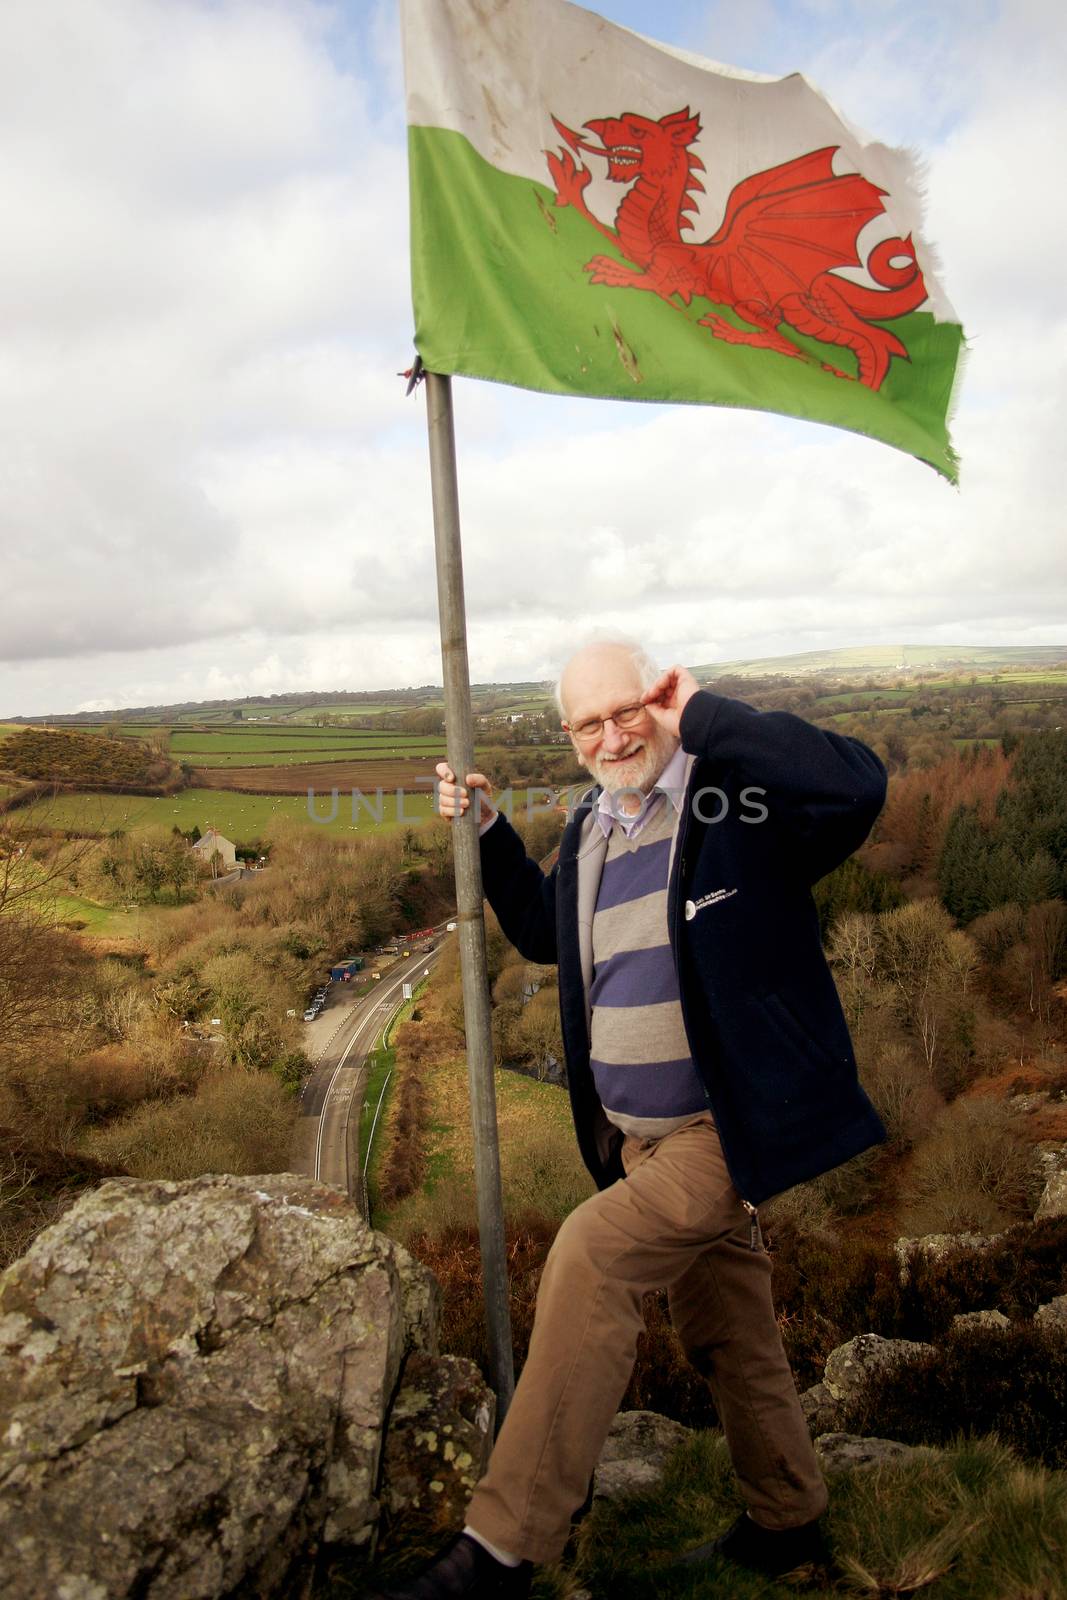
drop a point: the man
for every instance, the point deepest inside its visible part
(709, 1067)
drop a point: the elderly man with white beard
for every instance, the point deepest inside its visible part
(709, 1067)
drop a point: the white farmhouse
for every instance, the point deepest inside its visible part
(210, 841)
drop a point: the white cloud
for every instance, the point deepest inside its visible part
(212, 482)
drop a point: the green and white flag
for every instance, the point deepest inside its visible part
(593, 213)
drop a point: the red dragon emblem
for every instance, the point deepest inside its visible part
(772, 261)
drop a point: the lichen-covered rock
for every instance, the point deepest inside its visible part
(635, 1453)
(1051, 1158)
(822, 1412)
(421, 1296)
(851, 1365)
(1053, 1202)
(1053, 1316)
(843, 1452)
(1026, 1104)
(936, 1246)
(980, 1319)
(193, 1378)
(437, 1444)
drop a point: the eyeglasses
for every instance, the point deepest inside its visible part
(593, 727)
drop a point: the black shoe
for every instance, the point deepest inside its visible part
(770, 1551)
(464, 1569)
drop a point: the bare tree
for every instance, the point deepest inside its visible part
(930, 963)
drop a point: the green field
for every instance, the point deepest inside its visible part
(1033, 680)
(377, 707)
(294, 712)
(543, 703)
(302, 758)
(824, 701)
(260, 741)
(869, 711)
(301, 714)
(233, 747)
(317, 739)
(239, 817)
(96, 918)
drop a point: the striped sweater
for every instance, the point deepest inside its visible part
(641, 1063)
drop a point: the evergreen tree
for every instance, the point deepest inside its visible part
(853, 887)
(963, 868)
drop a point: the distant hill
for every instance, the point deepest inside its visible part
(293, 707)
(881, 660)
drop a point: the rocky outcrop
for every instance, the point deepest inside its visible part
(980, 1319)
(1026, 1104)
(1051, 1158)
(635, 1453)
(1053, 1202)
(822, 1412)
(850, 1367)
(844, 1452)
(437, 1445)
(1053, 1316)
(194, 1382)
(935, 1247)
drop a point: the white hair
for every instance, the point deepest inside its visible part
(647, 669)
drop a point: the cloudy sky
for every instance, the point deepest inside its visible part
(212, 483)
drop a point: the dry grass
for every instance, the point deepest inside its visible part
(237, 1122)
(969, 1523)
(974, 1172)
(37, 1184)
(403, 1166)
(540, 1167)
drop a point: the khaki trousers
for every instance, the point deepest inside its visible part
(676, 1222)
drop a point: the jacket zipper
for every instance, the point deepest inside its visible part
(755, 1238)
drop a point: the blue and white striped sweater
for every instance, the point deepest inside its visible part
(642, 1067)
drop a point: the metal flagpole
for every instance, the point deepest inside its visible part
(459, 738)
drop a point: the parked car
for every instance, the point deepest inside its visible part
(310, 1014)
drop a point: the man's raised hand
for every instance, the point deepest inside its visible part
(669, 696)
(453, 799)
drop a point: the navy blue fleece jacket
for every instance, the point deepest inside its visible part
(764, 1023)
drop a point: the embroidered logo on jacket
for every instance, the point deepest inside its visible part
(712, 899)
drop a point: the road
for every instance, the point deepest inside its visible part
(326, 1139)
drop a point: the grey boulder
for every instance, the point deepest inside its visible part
(193, 1382)
(965, 1320)
(935, 1247)
(844, 1452)
(850, 1367)
(437, 1446)
(821, 1411)
(1053, 1202)
(635, 1454)
(1053, 1316)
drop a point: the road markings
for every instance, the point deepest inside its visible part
(360, 1029)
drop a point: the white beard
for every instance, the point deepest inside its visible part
(639, 768)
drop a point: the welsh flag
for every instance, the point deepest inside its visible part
(593, 213)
